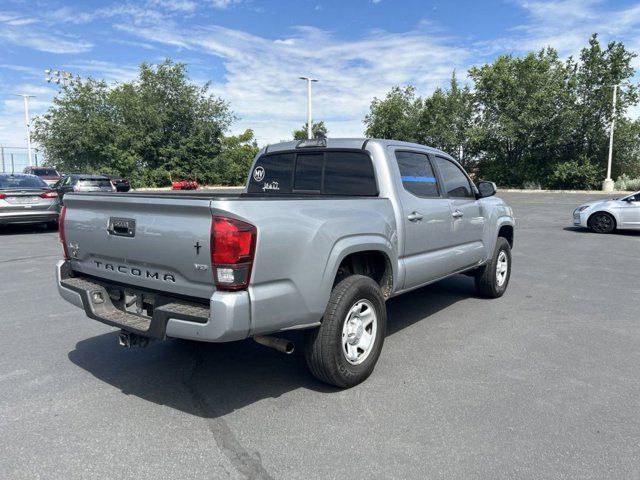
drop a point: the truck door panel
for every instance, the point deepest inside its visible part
(466, 214)
(426, 219)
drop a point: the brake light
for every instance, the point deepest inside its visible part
(49, 194)
(3, 196)
(233, 245)
(63, 239)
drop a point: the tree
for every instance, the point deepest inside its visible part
(446, 121)
(233, 162)
(157, 125)
(443, 120)
(596, 73)
(397, 116)
(525, 116)
(317, 130)
(532, 119)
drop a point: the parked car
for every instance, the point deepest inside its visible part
(121, 183)
(325, 233)
(49, 174)
(605, 216)
(27, 199)
(80, 182)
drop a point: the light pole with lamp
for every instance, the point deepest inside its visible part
(309, 80)
(26, 98)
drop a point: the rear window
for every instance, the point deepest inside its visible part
(8, 182)
(330, 172)
(45, 172)
(94, 182)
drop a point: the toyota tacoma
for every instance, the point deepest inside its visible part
(325, 232)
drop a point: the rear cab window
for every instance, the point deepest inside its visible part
(326, 172)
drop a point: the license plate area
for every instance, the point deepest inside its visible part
(23, 200)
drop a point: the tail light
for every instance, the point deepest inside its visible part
(49, 194)
(63, 239)
(233, 247)
(3, 196)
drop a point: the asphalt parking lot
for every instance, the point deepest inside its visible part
(542, 383)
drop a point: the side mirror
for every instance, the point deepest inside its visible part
(486, 189)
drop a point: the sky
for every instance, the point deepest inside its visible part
(253, 51)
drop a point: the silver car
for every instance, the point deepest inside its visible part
(27, 199)
(604, 216)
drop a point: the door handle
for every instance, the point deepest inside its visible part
(415, 217)
(457, 214)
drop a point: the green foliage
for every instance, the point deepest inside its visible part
(156, 127)
(397, 116)
(317, 130)
(574, 175)
(531, 120)
(232, 165)
(625, 182)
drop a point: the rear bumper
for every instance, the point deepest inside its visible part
(226, 317)
(33, 216)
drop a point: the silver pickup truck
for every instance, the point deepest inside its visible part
(325, 232)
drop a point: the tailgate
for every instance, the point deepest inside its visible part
(154, 243)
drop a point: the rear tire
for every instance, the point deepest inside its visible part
(344, 350)
(493, 278)
(602, 222)
(51, 226)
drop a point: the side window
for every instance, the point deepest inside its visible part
(272, 174)
(417, 175)
(456, 183)
(349, 173)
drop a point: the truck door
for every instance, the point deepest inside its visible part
(426, 219)
(467, 217)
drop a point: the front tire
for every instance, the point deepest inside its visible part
(344, 350)
(602, 222)
(492, 279)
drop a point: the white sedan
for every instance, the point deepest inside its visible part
(604, 216)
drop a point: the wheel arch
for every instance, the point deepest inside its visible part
(371, 256)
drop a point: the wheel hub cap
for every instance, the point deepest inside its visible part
(502, 267)
(359, 332)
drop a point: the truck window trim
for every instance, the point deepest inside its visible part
(437, 178)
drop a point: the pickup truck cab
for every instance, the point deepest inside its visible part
(325, 232)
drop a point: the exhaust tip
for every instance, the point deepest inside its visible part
(279, 344)
(289, 348)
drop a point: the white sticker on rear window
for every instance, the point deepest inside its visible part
(258, 174)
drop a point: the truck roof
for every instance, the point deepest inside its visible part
(356, 143)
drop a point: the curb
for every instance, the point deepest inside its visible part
(583, 192)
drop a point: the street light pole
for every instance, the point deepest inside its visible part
(608, 184)
(309, 129)
(26, 98)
